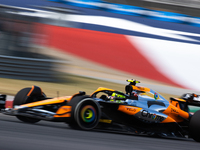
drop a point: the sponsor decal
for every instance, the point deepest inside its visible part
(131, 109)
(105, 120)
(152, 116)
(66, 108)
(141, 88)
(155, 96)
(174, 110)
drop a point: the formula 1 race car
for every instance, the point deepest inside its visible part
(139, 110)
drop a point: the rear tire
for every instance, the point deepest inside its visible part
(194, 126)
(20, 99)
(85, 113)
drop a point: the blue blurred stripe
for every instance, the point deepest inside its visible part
(136, 11)
(135, 33)
(185, 27)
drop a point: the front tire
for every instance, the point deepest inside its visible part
(85, 113)
(20, 99)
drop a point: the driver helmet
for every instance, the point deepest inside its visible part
(114, 95)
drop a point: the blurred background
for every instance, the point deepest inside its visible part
(189, 7)
(66, 46)
(68, 42)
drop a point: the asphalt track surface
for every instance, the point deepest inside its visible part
(16, 135)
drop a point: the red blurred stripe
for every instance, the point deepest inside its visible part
(109, 49)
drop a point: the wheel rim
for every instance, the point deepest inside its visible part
(88, 114)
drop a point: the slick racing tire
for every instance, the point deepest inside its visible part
(21, 98)
(194, 127)
(85, 113)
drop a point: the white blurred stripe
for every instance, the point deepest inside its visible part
(131, 26)
(176, 60)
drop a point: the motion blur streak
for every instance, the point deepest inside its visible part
(153, 51)
(176, 60)
(113, 50)
(131, 26)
